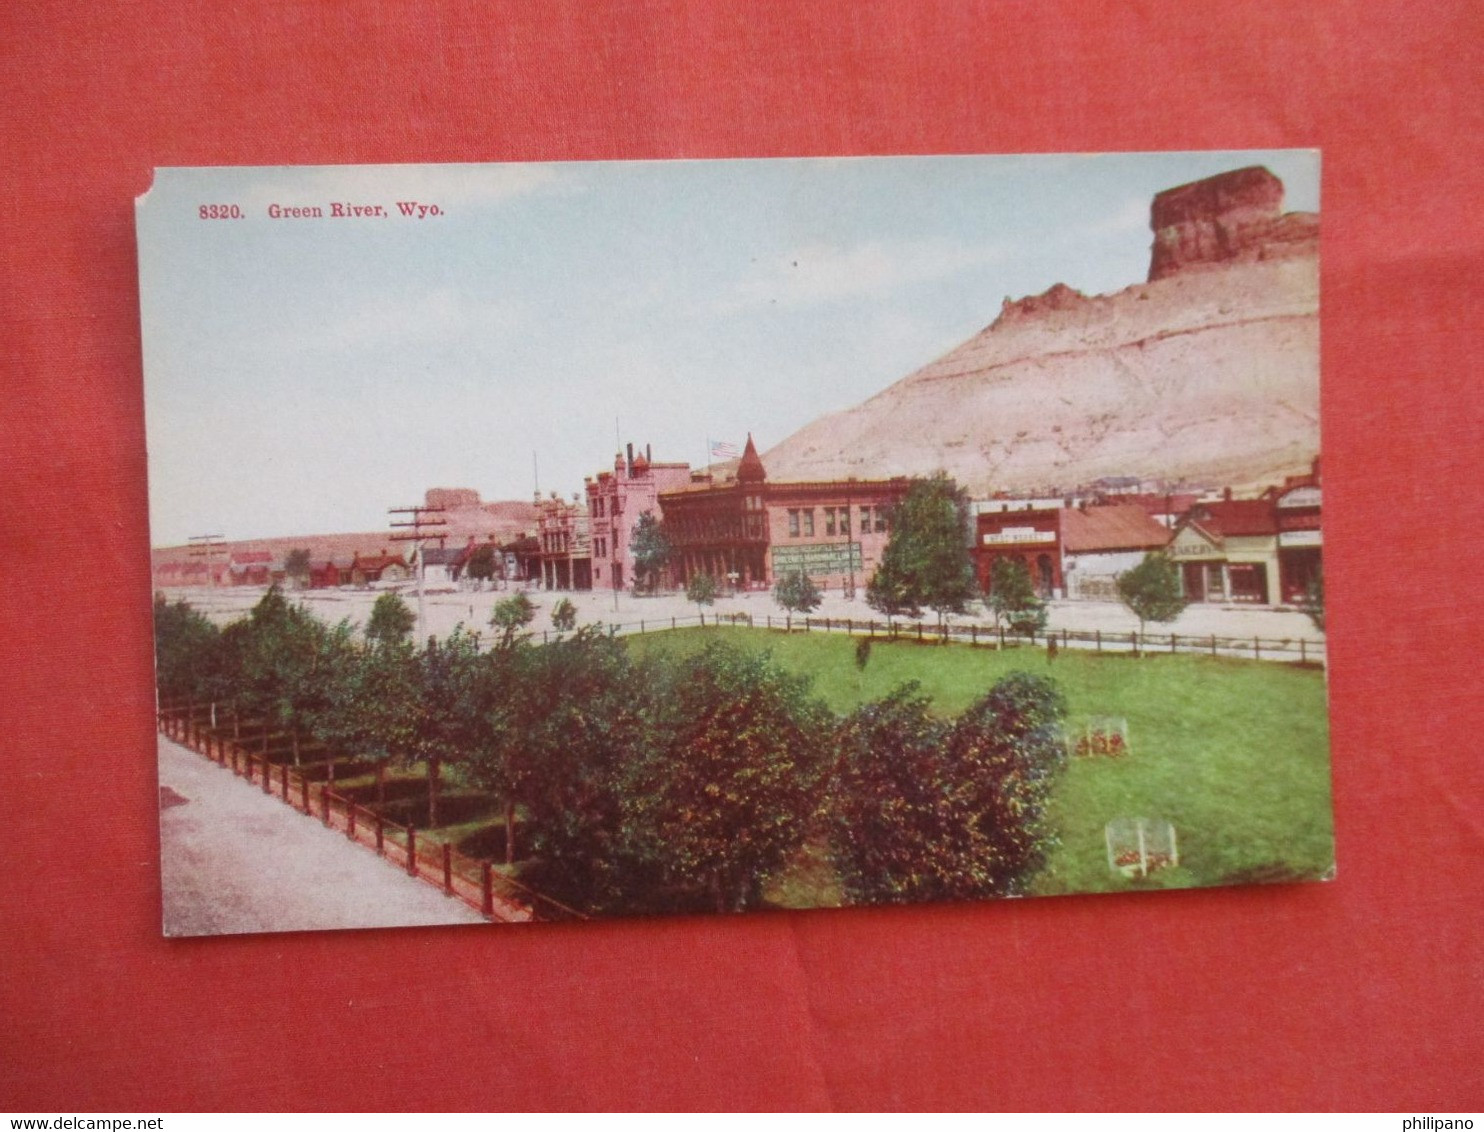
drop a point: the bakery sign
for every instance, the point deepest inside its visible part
(1017, 535)
(1190, 544)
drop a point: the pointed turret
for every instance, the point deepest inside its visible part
(751, 470)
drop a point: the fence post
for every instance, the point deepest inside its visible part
(379, 836)
(324, 797)
(1172, 642)
(919, 630)
(973, 634)
(267, 776)
(284, 781)
(1303, 652)
(641, 625)
(1213, 644)
(1256, 650)
(304, 792)
(447, 869)
(411, 851)
(487, 890)
(672, 622)
(350, 820)
(1133, 640)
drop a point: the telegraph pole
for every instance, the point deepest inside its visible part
(206, 546)
(425, 520)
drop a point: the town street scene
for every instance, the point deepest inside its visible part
(554, 542)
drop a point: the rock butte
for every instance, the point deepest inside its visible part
(1207, 372)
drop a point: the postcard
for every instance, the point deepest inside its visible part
(561, 541)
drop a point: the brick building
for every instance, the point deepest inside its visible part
(564, 536)
(1263, 551)
(615, 502)
(748, 531)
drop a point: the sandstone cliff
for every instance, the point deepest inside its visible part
(1208, 372)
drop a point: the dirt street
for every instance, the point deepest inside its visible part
(448, 608)
(235, 860)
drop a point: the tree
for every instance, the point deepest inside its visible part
(374, 699)
(446, 731)
(1009, 749)
(296, 567)
(481, 564)
(391, 620)
(891, 593)
(562, 724)
(701, 589)
(651, 549)
(511, 615)
(797, 593)
(926, 809)
(1151, 590)
(893, 816)
(732, 780)
(564, 616)
(926, 562)
(185, 644)
(279, 670)
(1012, 596)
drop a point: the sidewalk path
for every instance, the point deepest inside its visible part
(234, 860)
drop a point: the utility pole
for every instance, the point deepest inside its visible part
(206, 546)
(417, 530)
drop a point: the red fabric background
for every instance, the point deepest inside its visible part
(1364, 993)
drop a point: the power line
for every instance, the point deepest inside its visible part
(417, 530)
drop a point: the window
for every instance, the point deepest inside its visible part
(880, 519)
(793, 523)
(845, 521)
(865, 520)
(809, 523)
(829, 520)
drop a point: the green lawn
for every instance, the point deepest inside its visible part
(1235, 753)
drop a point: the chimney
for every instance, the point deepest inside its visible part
(1226, 494)
(629, 449)
(648, 459)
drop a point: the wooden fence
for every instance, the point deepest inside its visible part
(475, 882)
(1295, 650)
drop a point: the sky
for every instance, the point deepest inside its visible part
(305, 374)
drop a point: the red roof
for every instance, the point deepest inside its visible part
(377, 561)
(1111, 527)
(1236, 517)
(751, 470)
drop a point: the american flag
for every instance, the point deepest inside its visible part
(722, 450)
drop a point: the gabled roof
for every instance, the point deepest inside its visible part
(378, 561)
(1228, 517)
(1111, 527)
